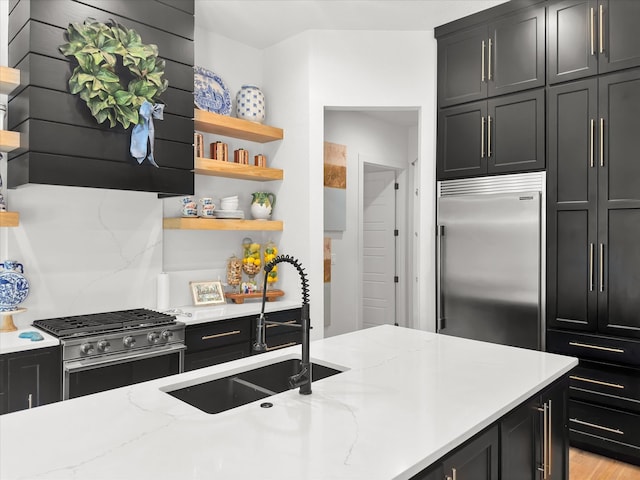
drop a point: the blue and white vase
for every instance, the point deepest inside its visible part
(14, 287)
(250, 104)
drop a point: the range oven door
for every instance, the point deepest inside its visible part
(93, 375)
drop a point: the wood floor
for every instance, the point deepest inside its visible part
(589, 466)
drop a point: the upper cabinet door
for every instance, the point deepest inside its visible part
(619, 35)
(516, 52)
(573, 40)
(462, 61)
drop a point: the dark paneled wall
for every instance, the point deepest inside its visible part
(63, 143)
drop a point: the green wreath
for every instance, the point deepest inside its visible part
(113, 89)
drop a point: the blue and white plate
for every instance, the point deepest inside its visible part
(14, 288)
(210, 93)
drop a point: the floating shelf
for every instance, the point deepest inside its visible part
(9, 219)
(9, 140)
(218, 168)
(9, 80)
(235, 127)
(181, 223)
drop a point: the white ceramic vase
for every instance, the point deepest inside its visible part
(250, 104)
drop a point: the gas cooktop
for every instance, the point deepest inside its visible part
(79, 325)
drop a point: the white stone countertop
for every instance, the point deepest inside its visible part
(11, 342)
(406, 399)
(204, 314)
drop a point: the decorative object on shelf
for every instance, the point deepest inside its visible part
(3, 203)
(219, 151)
(250, 104)
(207, 207)
(260, 160)
(207, 293)
(189, 207)
(234, 272)
(251, 263)
(269, 254)
(239, 298)
(99, 78)
(198, 145)
(210, 92)
(241, 156)
(229, 203)
(262, 205)
(14, 287)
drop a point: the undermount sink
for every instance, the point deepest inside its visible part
(221, 394)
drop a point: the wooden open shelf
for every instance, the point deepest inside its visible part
(218, 168)
(9, 219)
(235, 127)
(181, 223)
(9, 80)
(9, 140)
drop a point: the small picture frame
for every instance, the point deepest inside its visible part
(207, 293)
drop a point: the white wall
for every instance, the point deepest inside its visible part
(367, 139)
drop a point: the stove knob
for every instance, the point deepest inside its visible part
(86, 348)
(153, 337)
(129, 341)
(167, 335)
(103, 345)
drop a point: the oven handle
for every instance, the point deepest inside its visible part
(88, 364)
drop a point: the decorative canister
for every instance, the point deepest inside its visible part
(14, 287)
(198, 145)
(250, 104)
(270, 253)
(219, 151)
(241, 156)
(260, 160)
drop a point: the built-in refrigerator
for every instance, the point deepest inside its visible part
(490, 259)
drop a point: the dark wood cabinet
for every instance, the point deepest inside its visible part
(504, 56)
(478, 459)
(501, 135)
(534, 437)
(594, 205)
(29, 379)
(587, 37)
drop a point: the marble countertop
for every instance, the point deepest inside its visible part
(407, 398)
(203, 314)
(11, 342)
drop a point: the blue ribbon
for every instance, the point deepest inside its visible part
(143, 134)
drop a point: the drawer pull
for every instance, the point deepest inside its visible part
(218, 335)
(276, 347)
(596, 347)
(597, 382)
(606, 429)
(290, 322)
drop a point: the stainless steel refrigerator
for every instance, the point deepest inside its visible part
(490, 259)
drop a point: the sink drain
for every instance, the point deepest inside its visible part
(266, 405)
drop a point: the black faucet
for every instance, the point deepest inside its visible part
(301, 379)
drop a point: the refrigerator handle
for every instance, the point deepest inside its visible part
(440, 299)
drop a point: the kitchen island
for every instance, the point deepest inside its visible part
(405, 399)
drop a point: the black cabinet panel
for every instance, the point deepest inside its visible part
(521, 442)
(621, 36)
(517, 52)
(572, 40)
(461, 69)
(516, 133)
(218, 334)
(215, 356)
(4, 388)
(478, 459)
(602, 348)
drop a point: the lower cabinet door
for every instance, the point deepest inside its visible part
(521, 443)
(214, 356)
(34, 378)
(477, 460)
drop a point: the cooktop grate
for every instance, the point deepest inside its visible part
(103, 322)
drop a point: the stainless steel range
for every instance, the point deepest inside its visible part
(109, 350)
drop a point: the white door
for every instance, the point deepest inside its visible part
(378, 255)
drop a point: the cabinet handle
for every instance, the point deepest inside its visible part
(488, 136)
(482, 139)
(591, 267)
(601, 267)
(545, 440)
(592, 136)
(488, 71)
(30, 400)
(483, 49)
(218, 335)
(276, 347)
(550, 441)
(593, 425)
(597, 382)
(601, 28)
(592, 28)
(596, 347)
(602, 142)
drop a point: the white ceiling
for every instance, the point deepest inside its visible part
(262, 23)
